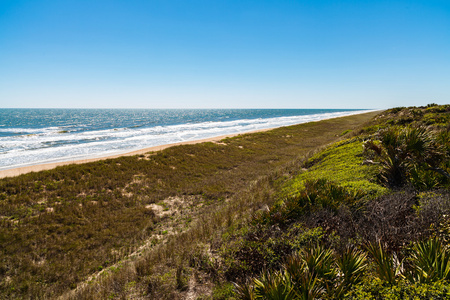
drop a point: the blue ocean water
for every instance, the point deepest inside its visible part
(36, 136)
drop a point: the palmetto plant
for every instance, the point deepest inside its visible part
(274, 286)
(271, 286)
(320, 273)
(308, 287)
(352, 264)
(320, 262)
(401, 151)
(443, 139)
(313, 273)
(387, 148)
(424, 179)
(430, 261)
(245, 291)
(388, 267)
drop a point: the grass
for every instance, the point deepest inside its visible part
(59, 227)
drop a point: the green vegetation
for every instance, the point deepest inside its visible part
(364, 193)
(353, 208)
(321, 273)
(341, 163)
(414, 154)
(366, 213)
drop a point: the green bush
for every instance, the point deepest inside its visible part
(375, 289)
(411, 154)
(316, 195)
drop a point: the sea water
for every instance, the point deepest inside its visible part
(36, 136)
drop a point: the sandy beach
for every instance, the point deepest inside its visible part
(41, 167)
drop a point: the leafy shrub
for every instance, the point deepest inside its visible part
(387, 265)
(311, 273)
(316, 195)
(429, 261)
(266, 248)
(375, 289)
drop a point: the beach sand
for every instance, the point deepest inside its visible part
(41, 167)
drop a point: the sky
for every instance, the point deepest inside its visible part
(224, 54)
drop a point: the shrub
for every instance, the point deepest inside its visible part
(319, 194)
(429, 261)
(409, 154)
(374, 288)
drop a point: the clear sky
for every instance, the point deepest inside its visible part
(224, 54)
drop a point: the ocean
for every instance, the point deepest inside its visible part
(37, 136)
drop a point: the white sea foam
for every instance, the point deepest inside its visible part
(54, 144)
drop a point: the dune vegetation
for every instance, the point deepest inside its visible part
(353, 207)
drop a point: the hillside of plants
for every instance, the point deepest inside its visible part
(367, 218)
(348, 208)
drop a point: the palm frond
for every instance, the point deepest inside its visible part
(387, 266)
(430, 261)
(274, 286)
(245, 291)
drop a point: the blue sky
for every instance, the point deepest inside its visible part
(224, 54)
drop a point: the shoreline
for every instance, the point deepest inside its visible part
(13, 172)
